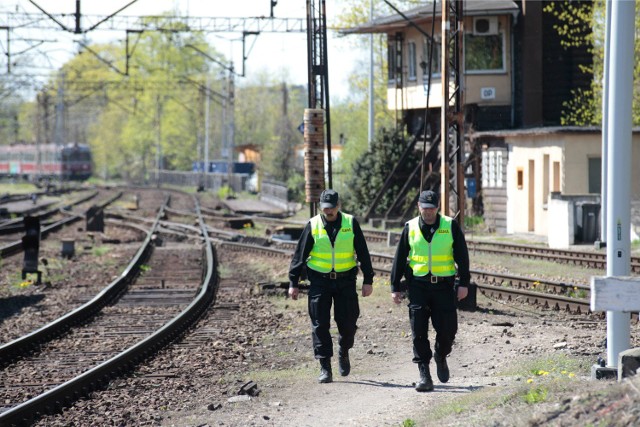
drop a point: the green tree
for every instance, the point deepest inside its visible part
(350, 117)
(584, 24)
(371, 170)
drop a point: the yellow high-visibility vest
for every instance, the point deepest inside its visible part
(338, 257)
(435, 257)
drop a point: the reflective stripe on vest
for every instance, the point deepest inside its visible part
(338, 257)
(435, 257)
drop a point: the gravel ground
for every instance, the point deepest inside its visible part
(512, 365)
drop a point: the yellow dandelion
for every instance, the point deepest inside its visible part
(530, 380)
(563, 372)
(571, 375)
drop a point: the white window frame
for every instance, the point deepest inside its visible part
(411, 53)
(437, 48)
(502, 35)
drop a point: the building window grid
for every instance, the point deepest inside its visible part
(485, 169)
(492, 168)
(485, 62)
(412, 60)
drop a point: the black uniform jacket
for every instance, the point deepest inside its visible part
(306, 242)
(460, 252)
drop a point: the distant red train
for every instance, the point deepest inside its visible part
(34, 162)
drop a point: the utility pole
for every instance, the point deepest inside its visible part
(232, 125)
(158, 139)
(452, 117)
(371, 75)
(59, 133)
(318, 81)
(205, 166)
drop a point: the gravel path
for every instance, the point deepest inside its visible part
(512, 365)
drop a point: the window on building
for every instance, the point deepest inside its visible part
(395, 58)
(492, 169)
(485, 169)
(595, 174)
(484, 53)
(520, 178)
(435, 58)
(545, 179)
(499, 169)
(556, 177)
(412, 60)
(391, 60)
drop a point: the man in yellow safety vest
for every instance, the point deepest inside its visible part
(329, 246)
(430, 248)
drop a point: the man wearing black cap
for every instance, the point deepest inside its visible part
(328, 247)
(430, 248)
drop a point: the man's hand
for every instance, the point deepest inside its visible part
(293, 292)
(367, 289)
(463, 291)
(397, 297)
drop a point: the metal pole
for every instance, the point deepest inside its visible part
(371, 109)
(605, 127)
(619, 160)
(231, 134)
(206, 127)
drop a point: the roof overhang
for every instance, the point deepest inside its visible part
(423, 14)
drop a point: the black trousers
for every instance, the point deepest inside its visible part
(435, 301)
(324, 292)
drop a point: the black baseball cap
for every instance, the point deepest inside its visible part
(428, 199)
(328, 199)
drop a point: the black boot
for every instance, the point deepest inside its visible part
(344, 366)
(325, 371)
(441, 368)
(425, 383)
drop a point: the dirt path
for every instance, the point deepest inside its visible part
(495, 363)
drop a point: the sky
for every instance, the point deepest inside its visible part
(278, 53)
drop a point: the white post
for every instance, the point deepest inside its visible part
(206, 126)
(371, 75)
(605, 127)
(619, 160)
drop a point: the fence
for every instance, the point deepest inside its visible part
(207, 181)
(275, 193)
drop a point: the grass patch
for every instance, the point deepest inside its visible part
(17, 188)
(99, 251)
(525, 267)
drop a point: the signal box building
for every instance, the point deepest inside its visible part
(516, 77)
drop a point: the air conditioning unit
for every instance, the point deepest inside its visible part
(485, 25)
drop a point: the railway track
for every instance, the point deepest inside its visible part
(51, 220)
(582, 258)
(162, 292)
(573, 298)
(589, 259)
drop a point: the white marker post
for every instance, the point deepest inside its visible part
(619, 295)
(615, 294)
(619, 160)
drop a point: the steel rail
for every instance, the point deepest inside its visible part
(16, 246)
(14, 224)
(64, 394)
(27, 343)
